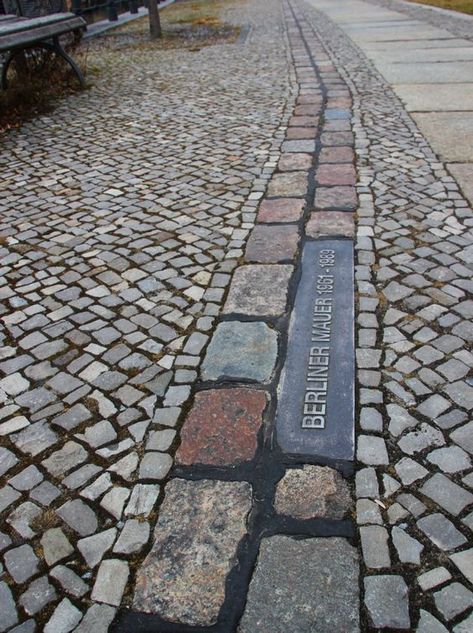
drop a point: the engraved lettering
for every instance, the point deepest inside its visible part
(314, 408)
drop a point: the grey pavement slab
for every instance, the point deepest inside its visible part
(438, 97)
(427, 55)
(463, 174)
(447, 41)
(432, 72)
(324, 598)
(449, 134)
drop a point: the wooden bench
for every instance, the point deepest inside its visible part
(19, 35)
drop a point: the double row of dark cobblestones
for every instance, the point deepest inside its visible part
(264, 543)
(414, 252)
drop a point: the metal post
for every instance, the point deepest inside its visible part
(154, 21)
(112, 11)
(77, 7)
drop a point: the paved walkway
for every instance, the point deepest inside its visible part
(152, 231)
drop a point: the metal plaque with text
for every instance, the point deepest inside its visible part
(315, 413)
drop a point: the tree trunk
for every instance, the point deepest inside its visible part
(154, 21)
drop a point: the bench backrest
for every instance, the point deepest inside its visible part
(25, 31)
(33, 8)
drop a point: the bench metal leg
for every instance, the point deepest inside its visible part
(5, 67)
(60, 51)
(55, 47)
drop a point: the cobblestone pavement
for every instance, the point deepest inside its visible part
(123, 214)
(150, 260)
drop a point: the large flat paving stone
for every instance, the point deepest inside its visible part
(330, 224)
(259, 290)
(424, 72)
(449, 134)
(439, 97)
(281, 210)
(303, 586)
(289, 185)
(407, 34)
(430, 54)
(222, 427)
(463, 174)
(400, 46)
(241, 350)
(272, 244)
(183, 577)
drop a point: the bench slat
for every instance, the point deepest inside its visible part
(8, 17)
(28, 24)
(21, 39)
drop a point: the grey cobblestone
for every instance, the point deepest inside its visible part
(69, 581)
(8, 614)
(386, 600)
(453, 600)
(39, 594)
(434, 578)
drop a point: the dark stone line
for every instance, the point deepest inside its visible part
(263, 471)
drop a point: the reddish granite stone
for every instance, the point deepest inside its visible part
(303, 121)
(330, 223)
(272, 244)
(222, 427)
(307, 110)
(291, 185)
(308, 78)
(309, 99)
(337, 125)
(295, 162)
(336, 175)
(300, 132)
(339, 102)
(336, 155)
(282, 210)
(337, 139)
(338, 198)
